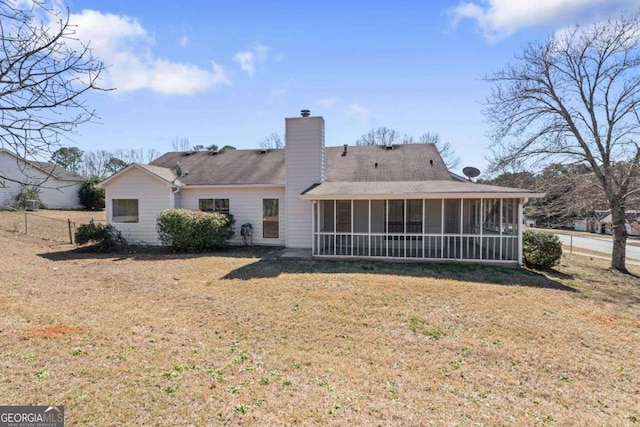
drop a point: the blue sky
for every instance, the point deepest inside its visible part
(229, 72)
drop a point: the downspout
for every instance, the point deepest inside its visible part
(176, 192)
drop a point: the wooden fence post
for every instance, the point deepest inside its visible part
(70, 234)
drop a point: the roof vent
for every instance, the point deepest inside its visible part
(216, 152)
(262, 150)
(305, 113)
(344, 153)
(431, 162)
(388, 147)
(189, 153)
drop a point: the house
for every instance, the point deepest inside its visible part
(57, 187)
(396, 201)
(601, 222)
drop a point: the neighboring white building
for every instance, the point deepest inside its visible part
(600, 222)
(365, 201)
(57, 187)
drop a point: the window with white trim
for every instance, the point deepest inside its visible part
(214, 205)
(125, 211)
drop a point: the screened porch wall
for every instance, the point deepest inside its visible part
(462, 229)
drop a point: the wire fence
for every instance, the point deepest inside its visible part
(55, 229)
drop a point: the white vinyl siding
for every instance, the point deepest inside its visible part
(152, 195)
(245, 204)
(54, 193)
(304, 167)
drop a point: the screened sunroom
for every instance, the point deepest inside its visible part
(430, 220)
(433, 229)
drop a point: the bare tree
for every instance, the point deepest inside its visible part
(448, 154)
(180, 144)
(386, 136)
(575, 98)
(44, 74)
(380, 136)
(94, 164)
(272, 141)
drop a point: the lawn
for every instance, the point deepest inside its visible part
(243, 337)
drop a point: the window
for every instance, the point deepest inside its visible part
(206, 205)
(125, 210)
(343, 216)
(452, 216)
(414, 216)
(222, 206)
(270, 219)
(396, 216)
(214, 205)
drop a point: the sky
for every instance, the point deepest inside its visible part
(229, 72)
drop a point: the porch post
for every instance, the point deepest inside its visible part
(313, 225)
(404, 227)
(369, 230)
(441, 228)
(521, 203)
(423, 228)
(352, 227)
(335, 227)
(318, 231)
(481, 222)
(386, 228)
(461, 227)
(501, 224)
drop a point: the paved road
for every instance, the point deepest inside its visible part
(599, 244)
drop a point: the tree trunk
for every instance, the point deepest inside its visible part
(618, 222)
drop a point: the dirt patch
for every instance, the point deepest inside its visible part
(53, 331)
(602, 318)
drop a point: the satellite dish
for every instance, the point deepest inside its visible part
(471, 172)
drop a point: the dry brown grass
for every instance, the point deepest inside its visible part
(47, 224)
(243, 337)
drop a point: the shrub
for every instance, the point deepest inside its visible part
(194, 231)
(28, 193)
(90, 196)
(106, 237)
(541, 250)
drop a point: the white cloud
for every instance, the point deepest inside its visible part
(358, 112)
(125, 46)
(247, 61)
(184, 41)
(327, 102)
(251, 59)
(499, 19)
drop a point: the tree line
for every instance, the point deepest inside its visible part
(101, 163)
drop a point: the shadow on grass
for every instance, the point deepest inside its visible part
(270, 265)
(274, 267)
(158, 253)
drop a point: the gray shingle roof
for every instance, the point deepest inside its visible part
(409, 162)
(231, 167)
(412, 169)
(58, 171)
(406, 162)
(337, 190)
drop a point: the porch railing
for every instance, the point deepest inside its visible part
(424, 246)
